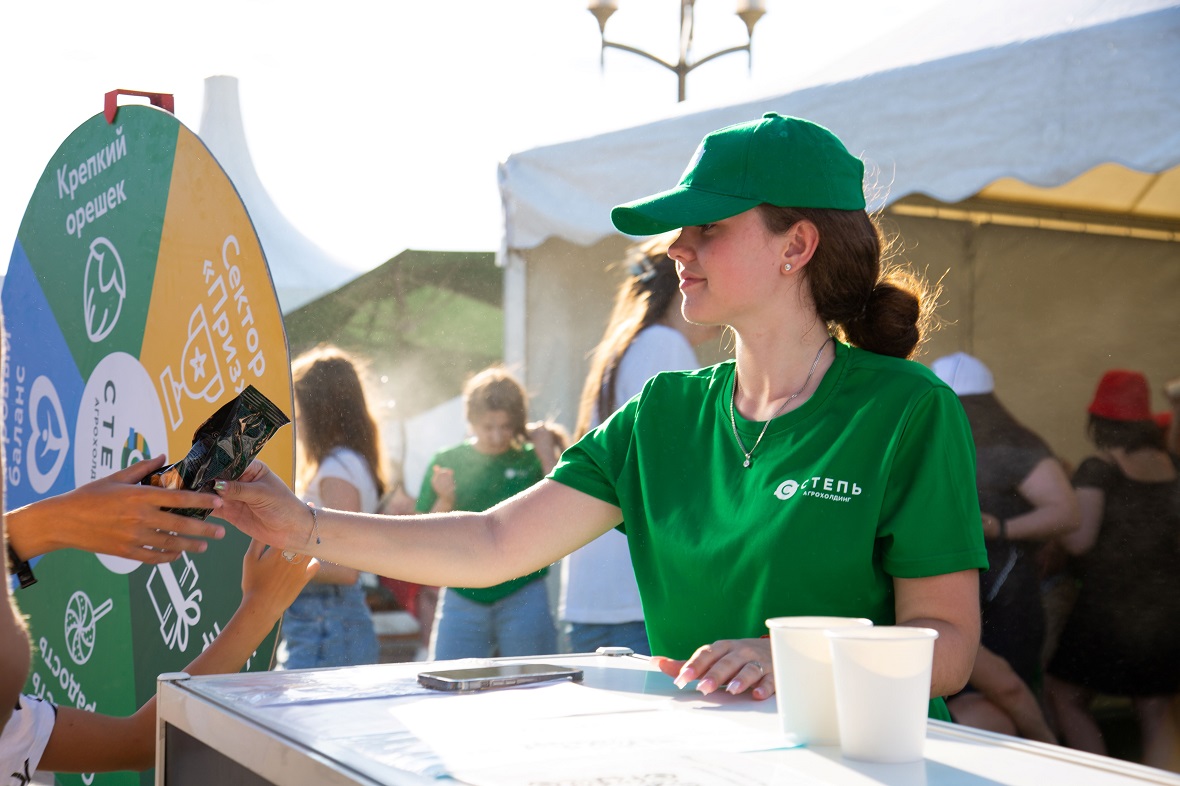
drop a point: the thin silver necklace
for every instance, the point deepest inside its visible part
(792, 397)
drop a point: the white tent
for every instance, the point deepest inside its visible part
(1060, 127)
(301, 270)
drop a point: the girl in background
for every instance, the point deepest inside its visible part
(646, 334)
(341, 467)
(504, 456)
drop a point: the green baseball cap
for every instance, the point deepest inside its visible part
(784, 161)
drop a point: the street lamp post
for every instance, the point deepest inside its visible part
(750, 12)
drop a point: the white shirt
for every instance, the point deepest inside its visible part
(24, 739)
(347, 465)
(597, 581)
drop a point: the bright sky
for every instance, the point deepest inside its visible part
(377, 126)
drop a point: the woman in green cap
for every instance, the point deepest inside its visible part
(818, 473)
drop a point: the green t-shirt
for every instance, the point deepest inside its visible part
(872, 478)
(482, 481)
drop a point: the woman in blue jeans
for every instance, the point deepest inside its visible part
(330, 624)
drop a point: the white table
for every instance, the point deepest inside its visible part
(625, 725)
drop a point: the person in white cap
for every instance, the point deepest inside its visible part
(1025, 499)
(966, 375)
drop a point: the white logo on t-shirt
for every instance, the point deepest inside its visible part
(820, 487)
(786, 489)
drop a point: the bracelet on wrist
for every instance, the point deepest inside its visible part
(20, 568)
(315, 525)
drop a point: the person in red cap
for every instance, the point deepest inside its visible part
(1122, 636)
(820, 472)
(1170, 421)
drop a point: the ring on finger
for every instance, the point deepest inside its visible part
(290, 556)
(759, 666)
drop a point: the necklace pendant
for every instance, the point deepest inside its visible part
(746, 463)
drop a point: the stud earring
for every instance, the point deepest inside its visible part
(787, 268)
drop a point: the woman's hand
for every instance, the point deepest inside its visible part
(116, 515)
(261, 505)
(737, 664)
(271, 582)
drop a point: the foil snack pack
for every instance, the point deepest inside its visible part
(223, 446)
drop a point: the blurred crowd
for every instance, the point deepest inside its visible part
(1084, 570)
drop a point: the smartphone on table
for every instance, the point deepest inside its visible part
(484, 678)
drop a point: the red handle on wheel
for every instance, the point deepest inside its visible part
(111, 104)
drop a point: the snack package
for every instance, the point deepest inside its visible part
(223, 446)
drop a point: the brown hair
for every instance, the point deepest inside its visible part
(334, 413)
(641, 301)
(495, 390)
(870, 303)
(1130, 435)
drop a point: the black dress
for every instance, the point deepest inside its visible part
(1123, 636)
(1011, 613)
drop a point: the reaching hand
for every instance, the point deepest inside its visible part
(270, 581)
(260, 505)
(118, 516)
(738, 664)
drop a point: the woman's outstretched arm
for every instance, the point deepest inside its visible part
(520, 535)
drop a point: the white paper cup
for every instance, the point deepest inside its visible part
(803, 675)
(882, 678)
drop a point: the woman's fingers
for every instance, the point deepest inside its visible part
(261, 505)
(150, 556)
(139, 470)
(253, 489)
(255, 470)
(754, 675)
(669, 666)
(151, 517)
(171, 542)
(737, 665)
(177, 498)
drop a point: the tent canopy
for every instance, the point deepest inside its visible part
(1026, 153)
(300, 269)
(1097, 85)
